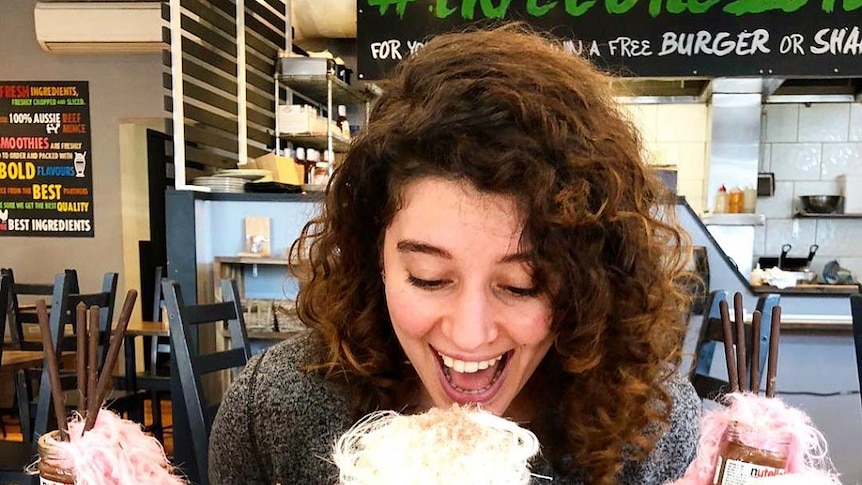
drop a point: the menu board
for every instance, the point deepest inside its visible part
(46, 174)
(646, 38)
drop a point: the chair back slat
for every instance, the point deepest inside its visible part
(216, 312)
(216, 361)
(33, 289)
(184, 321)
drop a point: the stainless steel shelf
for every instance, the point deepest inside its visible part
(314, 87)
(808, 215)
(310, 76)
(318, 142)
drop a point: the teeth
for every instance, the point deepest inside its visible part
(466, 367)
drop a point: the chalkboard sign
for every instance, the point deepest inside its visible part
(646, 38)
(46, 182)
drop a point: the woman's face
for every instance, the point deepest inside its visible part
(461, 295)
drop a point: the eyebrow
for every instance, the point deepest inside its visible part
(411, 246)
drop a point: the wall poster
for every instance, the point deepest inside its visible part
(46, 175)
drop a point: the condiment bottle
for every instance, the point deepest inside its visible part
(747, 451)
(52, 468)
(721, 202)
(750, 200)
(342, 122)
(735, 201)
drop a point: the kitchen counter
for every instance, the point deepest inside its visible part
(814, 290)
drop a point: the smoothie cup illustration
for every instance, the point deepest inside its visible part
(80, 163)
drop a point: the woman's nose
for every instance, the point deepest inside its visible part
(471, 322)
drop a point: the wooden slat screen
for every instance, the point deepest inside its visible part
(209, 70)
(265, 23)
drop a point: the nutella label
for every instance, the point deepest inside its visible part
(45, 481)
(735, 472)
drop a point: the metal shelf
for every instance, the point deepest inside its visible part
(809, 215)
(314, 87)
(309, 76)
(318, 142)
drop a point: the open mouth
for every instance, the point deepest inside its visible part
(472, 381)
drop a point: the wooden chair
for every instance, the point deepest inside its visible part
(184, 321)
(35, 418)
(856, 312)
(707, 386)
(14, 455)
(19, 316)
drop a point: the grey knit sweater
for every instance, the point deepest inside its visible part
(277, 425)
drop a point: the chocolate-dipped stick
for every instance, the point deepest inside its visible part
(728, 347)
(98, 396)
(53, 367)
(81, 364)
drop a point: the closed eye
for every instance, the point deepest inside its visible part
(518, 291)
(426, 284)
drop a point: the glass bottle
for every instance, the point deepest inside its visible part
(748, 451)
(52, 469)
(341, 121)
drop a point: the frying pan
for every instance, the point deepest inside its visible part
(786, 263)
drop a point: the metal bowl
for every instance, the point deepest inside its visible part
(820, 204)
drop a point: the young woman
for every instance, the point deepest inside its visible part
(492, 237)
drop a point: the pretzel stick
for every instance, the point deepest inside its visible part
(740, 340)
(53, 367)
(755, 352)
(772, 366)
(81, 364)
(728, 346)
(98, 396)
(93, 357)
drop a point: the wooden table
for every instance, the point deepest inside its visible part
(148, 329)
(13, 360)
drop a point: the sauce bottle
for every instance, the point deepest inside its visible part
(721, 201)
(750, 200)
(54, 468)
(341, 121)
(735, 201)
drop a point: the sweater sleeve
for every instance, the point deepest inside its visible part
(676, 449)
(233, 454)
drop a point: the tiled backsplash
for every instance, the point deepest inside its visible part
(807, 147)
(680, 140)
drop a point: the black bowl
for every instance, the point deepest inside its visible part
(820, 204)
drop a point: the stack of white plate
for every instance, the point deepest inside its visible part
(222, 184)
(250, 174)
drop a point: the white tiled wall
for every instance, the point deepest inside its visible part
(676, 135)
(807, 147)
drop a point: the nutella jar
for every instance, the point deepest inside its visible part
(748, 452)
(52, 470)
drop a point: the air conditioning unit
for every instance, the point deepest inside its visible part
(99, 27)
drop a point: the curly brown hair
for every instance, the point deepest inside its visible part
(511, 113)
